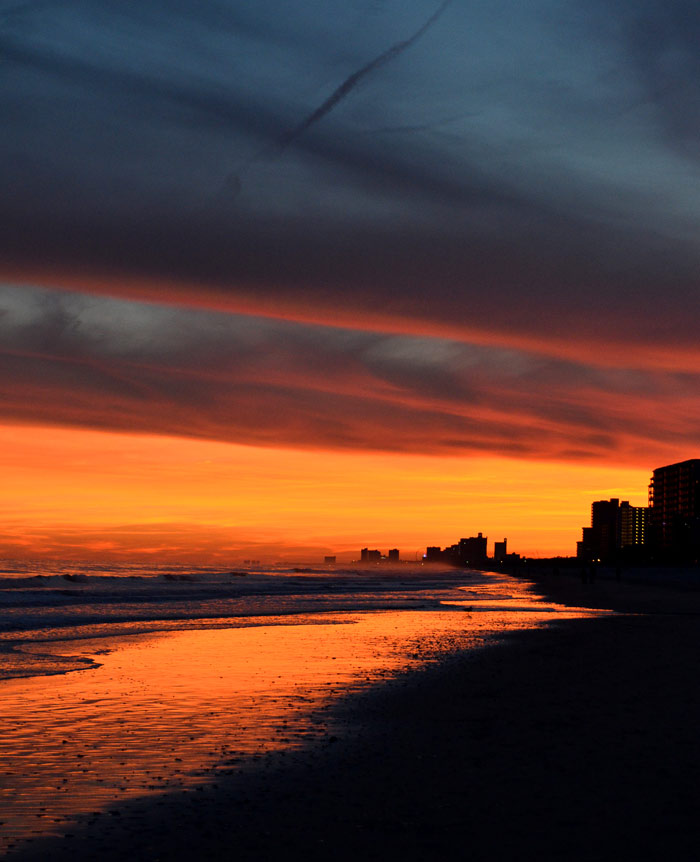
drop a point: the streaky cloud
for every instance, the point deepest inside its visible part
(84, 361)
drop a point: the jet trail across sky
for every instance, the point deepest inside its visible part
(353, 80)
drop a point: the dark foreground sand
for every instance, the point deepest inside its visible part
(575, 742)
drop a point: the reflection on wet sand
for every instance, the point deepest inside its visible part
(169, 711)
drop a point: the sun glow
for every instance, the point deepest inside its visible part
(80, 493)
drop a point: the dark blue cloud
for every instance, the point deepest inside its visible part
(520, 172)
(662, 44)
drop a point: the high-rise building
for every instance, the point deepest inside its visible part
(674, 498)
(604, 523)
(393, 555)
(633, 525)
(615, 527)
(471, 551)
(500, 551)
(370, 556)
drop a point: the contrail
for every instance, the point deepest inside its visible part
(234, 181)
(353, 80)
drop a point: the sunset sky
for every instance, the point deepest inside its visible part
(281, 280)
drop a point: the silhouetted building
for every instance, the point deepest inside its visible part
(500, 551)
(329, 560)
(633, 525)
(615, 527)
(674, 498)
(584, 548)
(471, 551)
(393, 555)
(604, 522)
(368, 556)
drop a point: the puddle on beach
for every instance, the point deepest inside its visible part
(169, 711)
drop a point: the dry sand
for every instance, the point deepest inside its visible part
(579, 741)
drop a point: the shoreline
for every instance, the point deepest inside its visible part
(576, 740)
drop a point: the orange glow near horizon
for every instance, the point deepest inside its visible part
(82, 494)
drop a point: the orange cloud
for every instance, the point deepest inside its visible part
(76, 360)
(582, 334)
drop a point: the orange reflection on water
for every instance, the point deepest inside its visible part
(169, 711)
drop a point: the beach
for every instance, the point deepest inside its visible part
(349, 431)
(577, 739)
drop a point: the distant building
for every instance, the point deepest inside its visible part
(471, 551)
(634, 525)
(616, 528)
(584, 548)
(604, 524)
(329, 560)
(370, 556)
(500, 551)
(393, 555)
(674, 500)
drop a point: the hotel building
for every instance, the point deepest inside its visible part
(674, 498)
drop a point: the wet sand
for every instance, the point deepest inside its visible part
(628, 590)
(577, 741)
(162, 713)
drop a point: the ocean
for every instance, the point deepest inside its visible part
(43, 603)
